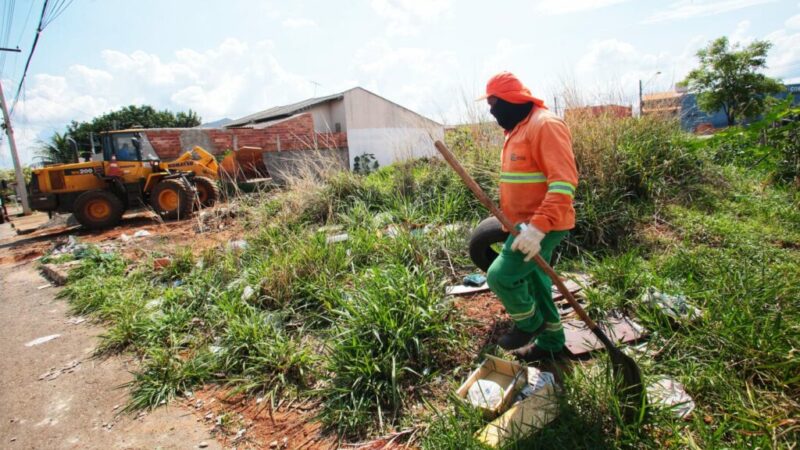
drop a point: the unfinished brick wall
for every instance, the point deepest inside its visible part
(295, 133)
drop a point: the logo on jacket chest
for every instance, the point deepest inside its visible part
(516, 157)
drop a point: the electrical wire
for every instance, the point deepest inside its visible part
(39, 30)
(8, 16)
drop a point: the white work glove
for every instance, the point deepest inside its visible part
(529, 241)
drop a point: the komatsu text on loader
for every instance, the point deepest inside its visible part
(126, 173)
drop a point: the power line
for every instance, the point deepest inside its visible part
(8, 16)
(30, 56)
(57, 9)
(50, 12)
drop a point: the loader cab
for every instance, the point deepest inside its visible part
(125, 145)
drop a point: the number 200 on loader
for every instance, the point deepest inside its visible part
(125, 173)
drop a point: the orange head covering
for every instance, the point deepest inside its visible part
(508, 87)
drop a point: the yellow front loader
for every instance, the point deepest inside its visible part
(125, 173)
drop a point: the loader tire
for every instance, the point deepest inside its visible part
(207, 191)
(486, 238)
(172, 199)
(98, 209)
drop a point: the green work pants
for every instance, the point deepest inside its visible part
(525, 291)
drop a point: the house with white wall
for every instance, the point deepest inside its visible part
(371, 124)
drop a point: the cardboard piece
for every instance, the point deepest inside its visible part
(581, 340)
(526, 416)
(511, 377)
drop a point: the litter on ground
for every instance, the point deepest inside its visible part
(474, 280)
(671, 394)
(536, 405)
(337, 238)
(676, 307)
(461, 289)
(42, 340)
(581, 340)
(54, 373)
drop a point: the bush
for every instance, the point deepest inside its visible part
(629, 168)
(771, 145)
(392, 335)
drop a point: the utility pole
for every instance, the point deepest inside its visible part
(641, 103)
(22, 191)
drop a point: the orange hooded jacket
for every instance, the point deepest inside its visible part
(538, 176)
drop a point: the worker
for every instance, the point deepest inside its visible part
(126, 153)
(538, 179)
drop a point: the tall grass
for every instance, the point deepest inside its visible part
(362, 325)
(392, 336)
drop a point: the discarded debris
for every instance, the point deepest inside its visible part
(141, 233)
(54, 373)
(330, 229)
(240, 244)
(485, 394)
(248, 293)
(537, 406)
(70, 246)
(474, 280)
(42, 340)
(462, 290)
(581, 340)
(57, 273)
(537, 380)
(160, 263)
(337, 238)
(509, 377)
(44, 286)
(672, 395)
(674, 306)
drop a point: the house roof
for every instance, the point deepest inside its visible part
(661, 96)
(281, 112)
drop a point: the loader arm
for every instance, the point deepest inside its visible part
(199, 160)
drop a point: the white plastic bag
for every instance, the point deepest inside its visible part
(485, 394)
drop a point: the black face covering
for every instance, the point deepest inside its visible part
(508, 115)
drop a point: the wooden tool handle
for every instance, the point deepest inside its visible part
(489, 204)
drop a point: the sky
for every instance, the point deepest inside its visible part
(233, 58)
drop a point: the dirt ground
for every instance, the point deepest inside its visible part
(216, 227)
(55, 395)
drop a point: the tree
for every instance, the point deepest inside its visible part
(58, 151)
(131, 116)
(728, 79)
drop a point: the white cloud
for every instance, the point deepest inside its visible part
(299, 22)
(740, 33)
(610, 70)
(405, 16)
(793, 22)
(506, 54)
(784, 57)
(554, 7)
(388, 71)
(233, 79)
(687, 9)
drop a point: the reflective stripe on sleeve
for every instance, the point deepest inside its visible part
(561, 187)
(522, 177)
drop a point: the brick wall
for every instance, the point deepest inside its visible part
(295, 133)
